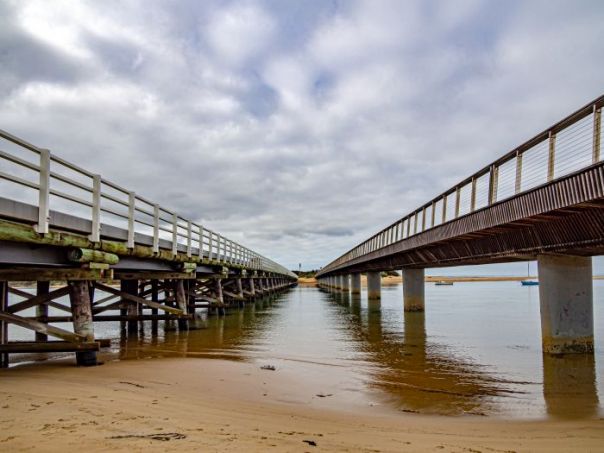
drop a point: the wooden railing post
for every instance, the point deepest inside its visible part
(200, 242)
(95, 234)
(44, 192)
(189, 238)
(131, 213)
(155, 228)
(174, 235)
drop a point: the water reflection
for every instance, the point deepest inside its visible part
(212, 336)
(569, 385)
(418, 376)
(415, 362)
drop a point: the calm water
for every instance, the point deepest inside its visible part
(476, 350)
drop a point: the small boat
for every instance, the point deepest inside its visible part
(528, 274)
(444, 283)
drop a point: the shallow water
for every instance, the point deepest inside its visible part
(476, 349)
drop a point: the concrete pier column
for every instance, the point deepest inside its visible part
(355, 283)
(566, 301)
(79, 297)
(345, 283)
(338, 282)
(374, 285)
(413, 289)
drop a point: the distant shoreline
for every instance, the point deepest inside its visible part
(392, 280)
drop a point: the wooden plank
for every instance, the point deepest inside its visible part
(41, 328)
(45, 274)
(114, 306)
(155, 275)
(138, 300)
(48, 346)
(233, 295)
(103, 300)
(104, 318)
(212, 300)
(42, 298)
(59, 307)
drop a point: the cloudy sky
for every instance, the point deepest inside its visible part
(296, 127)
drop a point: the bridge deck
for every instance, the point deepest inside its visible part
(544, 196)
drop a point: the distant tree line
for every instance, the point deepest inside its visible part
(313, 273)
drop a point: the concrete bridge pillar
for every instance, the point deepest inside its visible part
(413, 289)
(355, 283)
(345, 285)
(374, 285)
(566, 301)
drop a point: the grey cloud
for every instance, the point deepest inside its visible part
(350, 117)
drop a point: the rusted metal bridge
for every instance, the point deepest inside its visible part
(543, 200)
(68, 233)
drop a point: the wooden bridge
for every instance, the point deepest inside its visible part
(543, 200)
(116, 255)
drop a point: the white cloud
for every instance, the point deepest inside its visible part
(239, 32)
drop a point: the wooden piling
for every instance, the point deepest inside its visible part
(154, 311)
(181, 303)
(81, 308)
(131, 309)
(42, 287)
(3, 324)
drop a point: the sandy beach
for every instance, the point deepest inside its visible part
(217, 405)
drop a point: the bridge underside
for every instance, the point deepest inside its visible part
(564, 217)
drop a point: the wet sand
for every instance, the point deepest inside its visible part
(217, 405)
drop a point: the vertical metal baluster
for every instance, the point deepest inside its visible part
(518, 185)
(551, 158)
(597, 112)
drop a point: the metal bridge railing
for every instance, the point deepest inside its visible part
(51, 182)
(568, 146)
